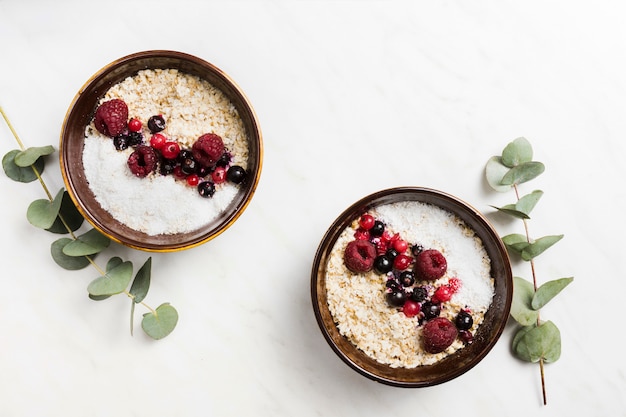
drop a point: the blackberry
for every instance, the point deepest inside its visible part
(135, 138)
(419, 294)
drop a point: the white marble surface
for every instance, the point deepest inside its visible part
(353, 97)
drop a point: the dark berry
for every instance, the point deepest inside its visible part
(419, 294)
(431, 310)
(184, 154)
(377, 229)
(188, 166)
(224, 160)
(206, 189)
(407, 278)
(359, 255)
(438, 334)
(393, 284)
(382, 264)
(203, 171)
(466, 336)
(111, 117)
(167, 166)
(143, 161)
(208, 149)
(430, 265)
(156, 123)
(135, 138)
(121, 142)
(417, 249)
(464, 320)
(396, 298)
(391, 253)
(236, 174)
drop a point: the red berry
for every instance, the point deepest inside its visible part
(430, 265)
(134, 125)
(411, 308)
(359, 255)
(402, 262)
(111, 117)
(157, 141)
(362, 234)
(442, 294)
(367, 221)
(142, 161)
(400, 245)
(208, 149)
(454, 284)
(170, 150)
(193, 179)
(386, 236)
(178, 172)
(438, 334)
(219, 175)
(381, 246)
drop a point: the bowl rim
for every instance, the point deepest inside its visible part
(410, 378)
(224, 78)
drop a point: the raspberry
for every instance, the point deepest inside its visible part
(208, 149)
(143, 161)
(430, 265)
(438, 334)
(359, 255)
(111, 117)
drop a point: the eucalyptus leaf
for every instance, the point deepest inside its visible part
(494, 172)
(516, 242)
(141, 283)
(517, 152)
(539, 342)
(87, 244)
(511, 210)
(99, 297)
(548, 291)
(523, 173)
(539, 246)
(21, 174)
(527, 203)
(42, 213)
(70, 214)
(521, 305)
(71, 263)
(113, 263)
(162, 322)
(113, 282)
(28, 157)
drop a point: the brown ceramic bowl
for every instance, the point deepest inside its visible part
(81, 112)
(453, 365)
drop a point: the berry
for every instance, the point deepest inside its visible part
(134, 125)
(367, 221)
(158, 141)
(121, 142)
(417, 249)
(361, 234)
(430, 265)
(178, 173)
(184, 154)
(400, 245)
(402, 262)
(396, 298)
(359, 256)
(143, 161)
(382, 264)
(134, 138)
(391, 253)
(219, 175)
(466, 336)
(111, 117)
(188, 166)
(464, 320)
(454, 284)
(156, 123)
(377, 229)
(203, 171)
(167, 166)
(410, 308)
(224, 160)
(206, 189)
(170, 150)
(407, 278)
(208, 149)
(442, 294)
(438, 334)
(193, 179)
(419, 294)
(393, 284)
(236, 174)
(431, 310)
(381, 246)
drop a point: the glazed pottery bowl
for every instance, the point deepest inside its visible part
(452, 365)
(81, 112)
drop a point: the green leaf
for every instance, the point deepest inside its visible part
(538, 342)
(162, 322)
(527, 203)
(87, 244)
(113, 263)
(29, 156)
(21, 174)
(494, 172)
(548, 291)
(98, 297)
(517, 152)
(521, 306)
(516, 242)
(511, 210)
(539, 246)
(141, 283)
(42, 213)
(70, 214)
(523, 173)
(113, 282)
(71, 263)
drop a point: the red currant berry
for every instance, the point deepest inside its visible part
(157, 141)
(411, 308)
(381, 247)
(170, 150)
(219, 175)
(178, 173)
(386, 236)
(367, 221)
(402, 262)
(193, 179)
(400, 245)
(442, 294)
(361, 234)
(454, 284)
(134, 125)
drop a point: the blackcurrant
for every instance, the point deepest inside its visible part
(206, 189)
(464, 320)
(378, 229)
(431, 310)
(236, 174)
(396, 298)
(382, 264)
(156, 123)
(407, 278)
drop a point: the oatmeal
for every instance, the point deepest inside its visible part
(375, 310)
(156, 203)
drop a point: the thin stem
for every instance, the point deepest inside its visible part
(535, 286)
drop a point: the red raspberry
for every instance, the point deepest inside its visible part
(438, 334)
(143, 161)
(430, 265)
(208, 149)
(111, 117)
(359, 255)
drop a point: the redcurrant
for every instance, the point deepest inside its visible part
(157, 141)
(411, 308)
(170, 150)
(193, 179)
(134, 125)
(219, 175)
(367, 221)
(402, 262)
(400, 245)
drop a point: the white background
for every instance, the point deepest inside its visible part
(352, 97)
